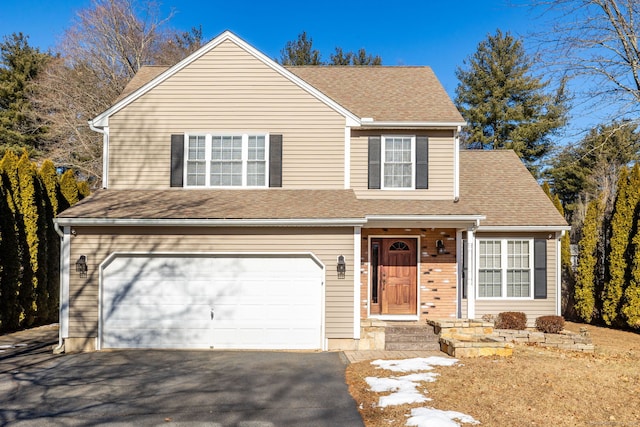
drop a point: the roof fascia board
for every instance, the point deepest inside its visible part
(375, 124)
(103, 119)
(521, 228)
(132, 222)
(456, 218)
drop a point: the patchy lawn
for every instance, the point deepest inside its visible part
(535, 387)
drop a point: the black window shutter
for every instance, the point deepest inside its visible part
(375, 154)
(275, 160)
(465, 268)
(177, 160)
(540, 269)
(422, 162)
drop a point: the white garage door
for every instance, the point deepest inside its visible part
(238, 302)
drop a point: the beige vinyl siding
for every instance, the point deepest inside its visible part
(325, 243)
(227, 90)
(532, 308)
(441, 165)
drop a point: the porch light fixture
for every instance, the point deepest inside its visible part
(342, 267)
(81, 266)
(440, 247)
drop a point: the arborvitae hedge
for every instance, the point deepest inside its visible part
(29, 245)
(631, 298)
(586, 272)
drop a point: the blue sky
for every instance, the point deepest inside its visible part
(428, 32)
(440, 34)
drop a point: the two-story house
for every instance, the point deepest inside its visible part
(250, 205)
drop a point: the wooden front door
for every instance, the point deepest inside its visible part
(395, 276)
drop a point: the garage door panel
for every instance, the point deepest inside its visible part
(258, 301)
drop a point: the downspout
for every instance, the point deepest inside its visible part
(59, 349)
(456, 165)
(105, 151)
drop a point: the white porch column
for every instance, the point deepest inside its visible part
(471, 272)
(357, 254)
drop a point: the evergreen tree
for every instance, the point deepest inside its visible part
(585, 287)
(23, 284)
(622, 222)
(49, 178)
(69, 187)
(631, 298)
(300, 52)
(505, 106)
(9, 265)
(583, 170)
(30, 294)
(19, 65)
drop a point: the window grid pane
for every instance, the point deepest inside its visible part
(518, 269)
(226, 161)
(196, 173)
(490, 271)
(398, 168)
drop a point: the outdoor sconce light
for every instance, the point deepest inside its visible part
(81, 266)
(342, 267)
(440, 247)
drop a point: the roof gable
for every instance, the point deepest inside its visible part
(138, 86)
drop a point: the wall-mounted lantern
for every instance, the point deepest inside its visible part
(81, 266)
(440, 247)
(341, 267)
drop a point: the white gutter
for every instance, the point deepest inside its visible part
(212, 222)
(105, 151)
(366, 123)
(474, 218)
(525, 228)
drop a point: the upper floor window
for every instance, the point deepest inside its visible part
(398, 162)
(226, 160)
(505, 268)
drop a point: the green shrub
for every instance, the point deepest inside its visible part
(550, 324)
(511, 320)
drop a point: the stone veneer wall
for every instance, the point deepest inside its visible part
(564, 340)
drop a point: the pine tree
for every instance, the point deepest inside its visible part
(505, 106)
(300, 52)
(19, 66)
(585, 287)
(622, 221)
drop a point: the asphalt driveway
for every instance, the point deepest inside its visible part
(173, 388)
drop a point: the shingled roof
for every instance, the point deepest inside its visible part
(385, 94)
(492, 183)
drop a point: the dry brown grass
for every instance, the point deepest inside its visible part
(535, 387)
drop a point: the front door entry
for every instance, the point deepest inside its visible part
(394, 276)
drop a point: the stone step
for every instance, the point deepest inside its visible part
(411, 337)
(427, 346)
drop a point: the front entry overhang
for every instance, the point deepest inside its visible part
(424, 221)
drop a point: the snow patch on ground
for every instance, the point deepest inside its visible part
(416, 364)
(404, 390)
(431, 417)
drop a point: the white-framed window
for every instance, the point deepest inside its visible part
(226, 160)
(505, 268)
(398, 162)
